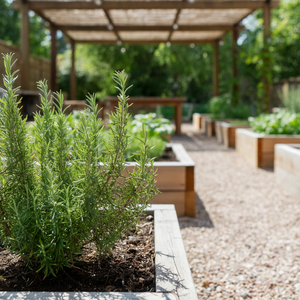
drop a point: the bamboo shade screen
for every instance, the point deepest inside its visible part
(145, 21)
(39, 68)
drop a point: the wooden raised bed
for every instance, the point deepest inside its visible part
(287, 167)
(173, 277)
(199, 121)
(228, 133)
(258, 149)
(175, 180)
(210, 126)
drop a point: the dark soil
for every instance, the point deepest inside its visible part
(130, 268)
(168, 155)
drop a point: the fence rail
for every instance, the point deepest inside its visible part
(39, 68)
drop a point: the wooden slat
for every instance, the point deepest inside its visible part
(222, 27)
(170, 197)
(144, 42)
(138, 4)
(172, 268)
(190, 196)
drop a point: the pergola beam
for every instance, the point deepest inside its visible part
(24, 46)
(216, 69)
(134, 42)
(138, 4)
(147, 28)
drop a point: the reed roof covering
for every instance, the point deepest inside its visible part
(144, 21)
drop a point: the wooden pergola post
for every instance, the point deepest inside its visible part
(24, 70)
(53, 58)
(73, 73)
(266, 61)
(235, 85)
(216, 69)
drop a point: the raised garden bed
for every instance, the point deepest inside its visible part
(227, 131)
(287, 167)
(199, 121)
(258, 149)
(173, 279)
(175, 180)
(210, 127)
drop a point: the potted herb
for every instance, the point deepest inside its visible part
(257, 145)
(58, 196)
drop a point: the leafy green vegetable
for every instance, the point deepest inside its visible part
(277, 123)
(221, 108)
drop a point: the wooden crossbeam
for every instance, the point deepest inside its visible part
(138, 4)
(147, 28)
(134, 42)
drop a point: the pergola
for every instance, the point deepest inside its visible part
(141, 22)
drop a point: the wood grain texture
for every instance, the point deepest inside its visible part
(287, 168)
(190, 196)
(172, 269)
(258, 149)
(228, 132)
(210, 127)
(170, 197)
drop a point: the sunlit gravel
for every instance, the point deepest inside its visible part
(245, 240)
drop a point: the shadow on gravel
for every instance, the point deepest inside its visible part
(202, 218)
(198, 142)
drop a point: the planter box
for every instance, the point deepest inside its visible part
(210, 127)
(175, 180)
(199, 121)
(228, 133)
(172, 273)
(287, 167)
(218, 130)
(258, 149)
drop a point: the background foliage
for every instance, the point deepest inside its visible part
(158, 70)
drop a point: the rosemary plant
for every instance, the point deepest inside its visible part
(58, 194)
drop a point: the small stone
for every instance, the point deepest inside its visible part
(219, 289)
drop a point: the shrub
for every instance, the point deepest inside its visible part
(55, 196)
(292, 101)
(221, 108)
(277, 123)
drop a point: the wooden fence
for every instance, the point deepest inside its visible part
(39, 68)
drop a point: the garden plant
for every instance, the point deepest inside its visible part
(282, 122)
(58, 194)
(221, 108)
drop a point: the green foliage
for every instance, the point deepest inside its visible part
(157, 130)
(55, 194)
(292, 101)
(278, 123)
(10, 25)
(221, 108)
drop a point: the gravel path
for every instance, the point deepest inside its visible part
(245, 240)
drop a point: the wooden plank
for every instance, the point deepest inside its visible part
(172, 268)
(219, 132)
(25, 79)
(73, 73)
(210, 128)
(266, 98)
(170, 197)
(197, 121)
(190, 196)
(53, 59)
(287, 168)
(246, 144)
(268, 142)
(84, 296)
(216, 69)
(138, 4)
(132, 28)
(178, 118)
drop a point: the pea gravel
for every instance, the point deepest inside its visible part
(245, 240)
